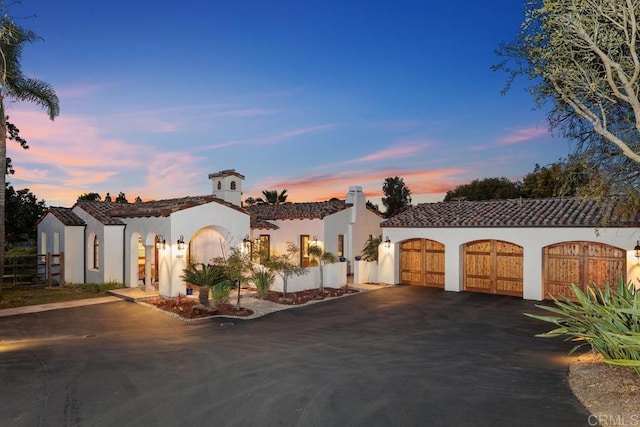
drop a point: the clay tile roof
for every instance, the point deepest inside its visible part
(100, 211)
(307, 210)
(166, 207)
(65, 215)
(109, 213)
(226, 172)
(558, 212)
(260, 224)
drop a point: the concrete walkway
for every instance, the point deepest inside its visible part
(56, 306)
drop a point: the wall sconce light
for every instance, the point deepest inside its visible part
(160, 242)
(246, 242)
(181, 243)
(387, 242)
(315, 240)
(636, 249)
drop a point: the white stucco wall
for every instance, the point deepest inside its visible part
(228, 222)
(71, 243)
(533, 240)
(335, 276)
(111, 267)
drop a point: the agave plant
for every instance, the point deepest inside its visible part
(607, 320)
(263, 281)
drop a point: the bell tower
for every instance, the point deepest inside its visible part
(227, 185)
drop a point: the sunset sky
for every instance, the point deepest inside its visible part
(311, 96)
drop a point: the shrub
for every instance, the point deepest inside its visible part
(263, 281)
(220, 292)
(608, 321)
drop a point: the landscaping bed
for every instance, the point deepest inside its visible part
(302, 297)
(188, 308)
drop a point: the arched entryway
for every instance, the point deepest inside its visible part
(582, 263)
(494, 267)
(422, 263)
(143, 260)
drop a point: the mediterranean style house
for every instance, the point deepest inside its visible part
(529, 248)
(149, 243)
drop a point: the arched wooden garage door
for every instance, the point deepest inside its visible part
(494, 267)
(582, 263)
(422, 263)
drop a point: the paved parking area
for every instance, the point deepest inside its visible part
(398, 356)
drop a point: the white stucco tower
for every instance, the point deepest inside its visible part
(227, 185)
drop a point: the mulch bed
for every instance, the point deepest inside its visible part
(191, 309)
(303, 297)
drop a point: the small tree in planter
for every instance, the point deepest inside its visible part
(285, 266)
(323, 258)
(237, 267)
(370, 249)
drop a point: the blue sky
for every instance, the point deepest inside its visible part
(311, 96)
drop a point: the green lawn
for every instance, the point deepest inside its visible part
(20, 297)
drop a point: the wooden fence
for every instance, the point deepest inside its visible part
(34, 270)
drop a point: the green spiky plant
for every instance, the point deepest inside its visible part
(606, 320)
(206, 277)
(263, 280)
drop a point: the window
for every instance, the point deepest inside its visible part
(219, 185)
(265, 246)
(56, 242)
(304, 250)
(233, 185)
(340, 245)
(43, 243)
(96, 253)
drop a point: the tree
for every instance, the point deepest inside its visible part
(121, 198)
(486, 189)
(90, 197)
(237, 267)
(23, 209)
(250, 201)
(13, 134)
(323, 258)
(272, 197)
(370, 248)
(285, 265)
(16, 86)
(584, 56)
(397, 196)
(562, 178)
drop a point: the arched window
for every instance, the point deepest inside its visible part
(96, 253)
(219, 185)
(233, 185)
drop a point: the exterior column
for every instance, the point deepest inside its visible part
(149, 253)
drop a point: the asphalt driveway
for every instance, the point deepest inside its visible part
(394, 357)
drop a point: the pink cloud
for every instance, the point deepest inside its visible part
(393, 152)
(515, 136)
(317, 187)
(273, 139)
(523, 135)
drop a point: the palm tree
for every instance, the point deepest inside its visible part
(16, 86)
(271, 197)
